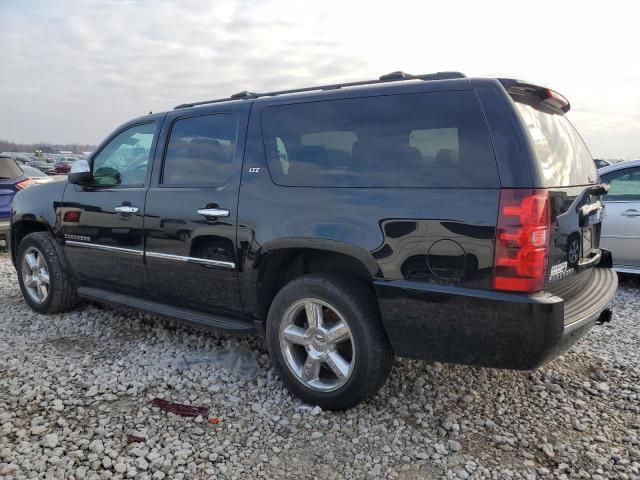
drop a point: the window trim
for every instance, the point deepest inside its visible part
(168, 140)
(96, 187)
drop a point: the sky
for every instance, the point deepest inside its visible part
(73, 70)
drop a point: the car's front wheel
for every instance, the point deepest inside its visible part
(326, 340)
(45, 286)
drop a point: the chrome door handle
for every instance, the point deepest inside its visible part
(214, 212)
(630, 213)
(126, 209)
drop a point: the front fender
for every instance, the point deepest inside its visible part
(38, 205)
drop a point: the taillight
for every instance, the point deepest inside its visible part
(23, 184)
(522, 240)
(71, 216)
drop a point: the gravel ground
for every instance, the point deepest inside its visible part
(74, 386)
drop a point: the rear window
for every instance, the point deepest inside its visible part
(563, 155)
(9, 168)
(413, 140)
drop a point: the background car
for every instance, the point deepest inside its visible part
(43, 166)
(62, 167)
(600, 163)
(12, 179)
(35, 175)
(621, 227)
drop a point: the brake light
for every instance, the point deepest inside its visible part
(71, 216)
(23, 184)
(557, 100)
(522, 240)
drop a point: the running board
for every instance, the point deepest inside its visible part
(216, 321)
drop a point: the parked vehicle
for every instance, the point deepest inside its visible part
(42, 166)
(11, 180)
(62, 167)
(601, 163)
(621, 228)
(434, 216)
(36, 176)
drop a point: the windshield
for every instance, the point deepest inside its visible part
(563, 155)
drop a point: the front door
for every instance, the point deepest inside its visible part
(102, 222)
(621, 226)
(190, 215)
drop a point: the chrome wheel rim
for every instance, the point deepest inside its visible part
(574, 252)
(317, 345)
(35, 275)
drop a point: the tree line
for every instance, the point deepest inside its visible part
(44, 147)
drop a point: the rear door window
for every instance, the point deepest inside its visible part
(411, 140)
(200, 151)
(563, 155)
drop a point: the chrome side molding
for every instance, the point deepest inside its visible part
(202, 261)
(165, 256)
(109, 248)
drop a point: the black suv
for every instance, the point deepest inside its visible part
(430, 216)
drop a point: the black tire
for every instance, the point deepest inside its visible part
(62, 292)
(373, 357)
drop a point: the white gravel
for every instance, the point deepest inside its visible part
(74, 386)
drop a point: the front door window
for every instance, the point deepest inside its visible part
(123, 162)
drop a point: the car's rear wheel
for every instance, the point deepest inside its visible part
(327, 342)
(45, 286)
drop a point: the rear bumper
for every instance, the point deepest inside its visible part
(490, 328)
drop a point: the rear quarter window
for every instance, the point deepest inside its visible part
(411, 140)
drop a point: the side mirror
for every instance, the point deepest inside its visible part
(80, 172)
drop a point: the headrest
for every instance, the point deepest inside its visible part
(446, 157)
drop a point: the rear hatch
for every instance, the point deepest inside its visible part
(568, 178)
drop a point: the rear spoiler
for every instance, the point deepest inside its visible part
(535, 94)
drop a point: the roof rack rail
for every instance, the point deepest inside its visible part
(389, 77)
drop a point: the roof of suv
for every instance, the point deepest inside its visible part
(396, 82)
(384, 79)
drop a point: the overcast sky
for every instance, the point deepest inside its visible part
(73, 70)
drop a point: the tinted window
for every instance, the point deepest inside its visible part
(623, 184)
(125, 159)
(414, 140)
(200, 150)
(564, 157)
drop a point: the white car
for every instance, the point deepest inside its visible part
(36, 176)
(621, 226)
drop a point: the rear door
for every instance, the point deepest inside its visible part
(190, 217)
(621, 228)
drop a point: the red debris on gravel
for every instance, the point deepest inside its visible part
(134, 439)
(179, 408)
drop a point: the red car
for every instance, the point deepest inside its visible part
(62, 167)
